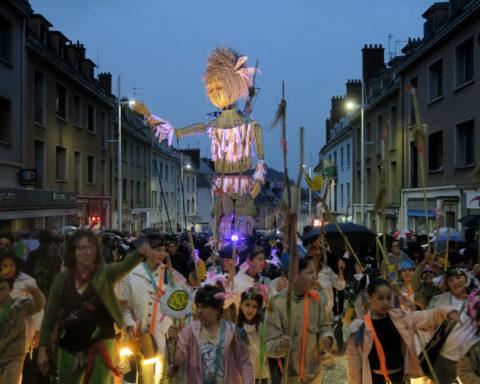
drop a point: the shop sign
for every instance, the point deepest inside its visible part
(472, 199)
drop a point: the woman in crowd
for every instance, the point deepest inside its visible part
(464, 334)
(82, 304)
(313, 335)
(381, 346)
(214, 350)
(250, 318)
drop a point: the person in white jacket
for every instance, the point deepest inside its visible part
(327, 278)
(146, 324)
(10, 269)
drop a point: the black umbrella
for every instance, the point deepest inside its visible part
(358, 235)
(471, 221)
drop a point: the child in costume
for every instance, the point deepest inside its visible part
(381, 346)
(214, 350)
(13, 313)
(468, 368)
(250, 318)
(311, 330)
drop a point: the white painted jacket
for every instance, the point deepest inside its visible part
(34, 322)
(329, 280)
(139, 295)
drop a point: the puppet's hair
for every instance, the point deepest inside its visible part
(228, 67)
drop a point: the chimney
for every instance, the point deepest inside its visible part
(105, 81)
(354, 90)
(373, 60)
(327, 130)
(338, 109)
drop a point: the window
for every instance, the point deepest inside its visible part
(348, 155)
(393, 127)
(341, 195)
(341, 157)
(131, 193)
(145, 194)
(393, 180)
(40, 163)
(103, 177)
(411, 107)
(413, 165)
(132, 153)
(61, 164)
(380, 134)
(90, 117)
(5, 39)
(124, 150)
(166, 172)
(39, 96)
(103, 130)
(77, 110)
(154, 199)
(61, 49)
(335, 197)
(188, 206)
(335, 157)
(124, 189)
(193, 206)
(368, 132)
(435, 151)
(435, 80)
(5, 120)
(91, 169)
(138, 155)
(160, 169)
(465, 144)
(138, 191)
(348, 193)
(61, 101)
(77, 159)
(464, 62)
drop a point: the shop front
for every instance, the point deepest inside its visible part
(32, 209)
(94, 211)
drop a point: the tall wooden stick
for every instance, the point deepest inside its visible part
(420, 133)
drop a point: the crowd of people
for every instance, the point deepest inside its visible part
(86, 308)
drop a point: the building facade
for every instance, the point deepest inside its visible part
(443, 68)
(57, 163)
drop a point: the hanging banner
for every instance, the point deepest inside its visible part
(177, 301)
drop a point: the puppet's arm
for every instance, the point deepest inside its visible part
(162, 129)
(193, 129)
(260, 170)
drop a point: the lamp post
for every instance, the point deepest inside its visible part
(351, 106)
(120, 104)
(183, 192)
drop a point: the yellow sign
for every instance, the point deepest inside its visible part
(178, 300)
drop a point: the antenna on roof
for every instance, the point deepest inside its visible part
(137, 92)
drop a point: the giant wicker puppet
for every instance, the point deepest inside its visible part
(233, 135)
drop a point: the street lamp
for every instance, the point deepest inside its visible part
(187, 166)
(120, 103)
(351, 105)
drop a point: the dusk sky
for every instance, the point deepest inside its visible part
(161, 46)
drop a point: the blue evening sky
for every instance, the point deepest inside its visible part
(161, 46)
